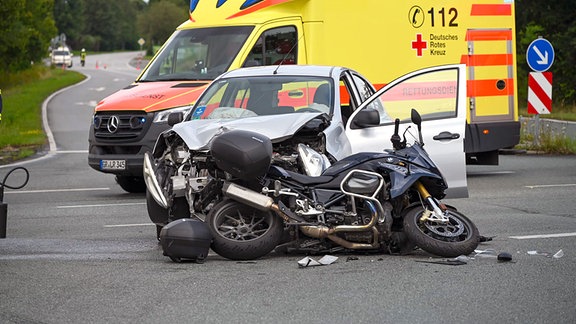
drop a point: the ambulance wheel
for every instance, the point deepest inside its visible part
(131, 184)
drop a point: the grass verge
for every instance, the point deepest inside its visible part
(22, 134)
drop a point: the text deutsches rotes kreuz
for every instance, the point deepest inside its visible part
(438, 43)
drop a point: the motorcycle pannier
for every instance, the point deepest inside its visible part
(243, 154)
(186, 238)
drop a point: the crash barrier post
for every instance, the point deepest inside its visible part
(3, 205)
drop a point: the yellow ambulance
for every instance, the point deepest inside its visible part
(380, 39)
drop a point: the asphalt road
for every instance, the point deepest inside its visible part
(81, 250)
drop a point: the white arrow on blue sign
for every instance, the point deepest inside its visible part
(540, 55)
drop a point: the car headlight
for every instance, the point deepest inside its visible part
(162, 116)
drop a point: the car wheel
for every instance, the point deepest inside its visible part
(131, 184)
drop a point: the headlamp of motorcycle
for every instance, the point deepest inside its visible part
(313, 162)
(162, 116)
(180, 154)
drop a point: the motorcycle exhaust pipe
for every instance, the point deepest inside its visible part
(248, 197)
(262, 202)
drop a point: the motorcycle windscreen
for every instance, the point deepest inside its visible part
(439, 95)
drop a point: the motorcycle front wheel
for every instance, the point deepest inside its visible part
(241, 232)
(457, 237)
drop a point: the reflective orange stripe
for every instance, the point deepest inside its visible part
(486, 88)
(488, 35)
(491, 10)
(255, 7)
(486, 59)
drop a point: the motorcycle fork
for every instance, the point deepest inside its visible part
(437, 214)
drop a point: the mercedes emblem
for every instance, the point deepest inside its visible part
(113, 124)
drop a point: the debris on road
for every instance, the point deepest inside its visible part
(309, 262)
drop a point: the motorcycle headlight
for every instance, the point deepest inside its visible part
(162, 116)
(313, 162)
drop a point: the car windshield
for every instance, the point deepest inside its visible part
(242, 97)
(197, 54)
(60, 53)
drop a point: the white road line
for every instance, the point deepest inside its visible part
(55, 190)
(528, 237)
(100, 205)
(552, 186)
(72, 152)
(130, 225)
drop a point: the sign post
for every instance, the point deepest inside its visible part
(540, 56)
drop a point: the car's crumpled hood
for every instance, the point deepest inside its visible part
(198, 133)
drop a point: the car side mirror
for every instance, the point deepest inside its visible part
(175, 118)
(366, 118)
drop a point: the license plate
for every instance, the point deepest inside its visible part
(112, 164)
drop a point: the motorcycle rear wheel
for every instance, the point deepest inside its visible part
(241, 232)
(459, 237)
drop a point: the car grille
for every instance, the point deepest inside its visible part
(115, 126)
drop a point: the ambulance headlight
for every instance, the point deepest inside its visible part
(162, 116)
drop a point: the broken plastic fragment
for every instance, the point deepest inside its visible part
(504, 256)
(460, 258)
(558, 254)
(328, 259)
(309, 262)
(488, 253)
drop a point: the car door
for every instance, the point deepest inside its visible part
(439, 95)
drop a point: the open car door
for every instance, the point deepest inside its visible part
(439, 95)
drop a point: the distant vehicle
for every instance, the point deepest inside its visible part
(61, 56)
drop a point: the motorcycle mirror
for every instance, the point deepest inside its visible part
(416, 119)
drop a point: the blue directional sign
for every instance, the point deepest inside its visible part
(540, 55)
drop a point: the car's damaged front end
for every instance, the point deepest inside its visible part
(182, 169)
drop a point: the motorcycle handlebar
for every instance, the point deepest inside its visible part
(395, 139)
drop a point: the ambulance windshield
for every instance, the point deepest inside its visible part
(197, 54)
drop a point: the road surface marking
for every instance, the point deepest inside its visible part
(72, 152)
(101, 205)
(527, 237)
(55, 190)
(552, 186)
(130, 225)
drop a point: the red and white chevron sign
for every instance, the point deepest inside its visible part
(539, 92)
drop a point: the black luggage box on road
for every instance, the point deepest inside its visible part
(186, 238)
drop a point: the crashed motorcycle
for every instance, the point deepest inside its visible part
(382, 202)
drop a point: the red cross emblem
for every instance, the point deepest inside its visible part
(419, 44)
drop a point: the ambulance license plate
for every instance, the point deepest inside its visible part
(112, 164)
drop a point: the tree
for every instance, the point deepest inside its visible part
(70, 20)
(553, 20)
(26, 35)
(158, 22)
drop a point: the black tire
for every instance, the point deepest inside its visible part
(131, 184)
(241, 232)
(460, 237)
